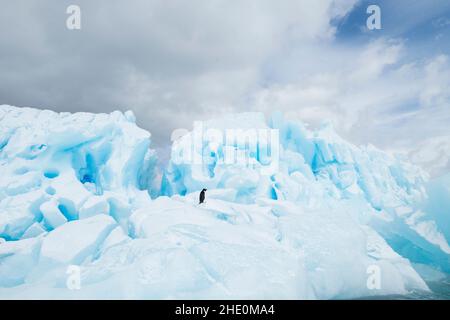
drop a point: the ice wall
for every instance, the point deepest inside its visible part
(59, 167)
(306, 221)
(316, 168)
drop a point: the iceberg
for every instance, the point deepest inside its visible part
(57, 168)
(319, 170)
(290, 213)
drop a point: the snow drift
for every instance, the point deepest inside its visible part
(57, 168)
(74, 191)
(321, 171)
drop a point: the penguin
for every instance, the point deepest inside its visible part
(202, 196)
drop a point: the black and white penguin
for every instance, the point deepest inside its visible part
(202, 196)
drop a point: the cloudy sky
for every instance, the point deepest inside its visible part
(173, 62)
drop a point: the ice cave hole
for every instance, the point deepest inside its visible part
(51, 173)
(21, 170)
(50, 190)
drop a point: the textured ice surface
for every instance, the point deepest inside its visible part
(319, 169)
(60, 167)
(74, 191)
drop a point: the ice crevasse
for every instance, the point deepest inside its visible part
(74, 191)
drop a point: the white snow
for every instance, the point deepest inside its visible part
(76, 240)
(53, 216)
(93, 206)
(75, 190)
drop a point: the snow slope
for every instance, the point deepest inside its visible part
(74, 191)
(318, 169)
(57, 168)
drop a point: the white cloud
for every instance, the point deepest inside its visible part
(370, 94)
(178, 61)
(339, 91)
(436, 89)
(433, 154)
(168, 61)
